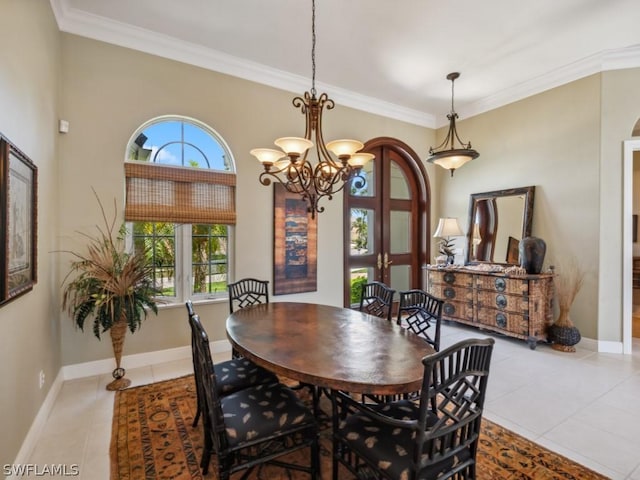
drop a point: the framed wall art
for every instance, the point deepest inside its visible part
(295, 237)
(18, 212)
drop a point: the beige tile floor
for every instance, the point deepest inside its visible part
(584, 405)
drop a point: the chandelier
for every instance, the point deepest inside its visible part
(292, 165)
(446, 154)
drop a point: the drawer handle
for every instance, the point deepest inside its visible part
(449, 277)
(501, 320)
(501, 284)
(449, 309)
(449, 292)
(501, 301)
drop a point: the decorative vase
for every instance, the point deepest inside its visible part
(532, 251)
(563, 334)
(118, 331)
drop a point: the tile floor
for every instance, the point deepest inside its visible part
(584, 405)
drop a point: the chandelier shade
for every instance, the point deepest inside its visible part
(293, 167)
(447, 154)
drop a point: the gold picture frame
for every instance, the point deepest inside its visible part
(18, 209)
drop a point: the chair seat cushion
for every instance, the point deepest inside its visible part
(239, 373)
(259, 412)
(387, 446)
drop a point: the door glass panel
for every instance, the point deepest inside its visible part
(362, 221)
(359, 276)
(399, 186)
(400, 277)
(358, 189)
(399, 231)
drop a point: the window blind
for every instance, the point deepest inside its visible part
(161, 193)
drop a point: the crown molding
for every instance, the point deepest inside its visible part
(618, 59)
(81, 23)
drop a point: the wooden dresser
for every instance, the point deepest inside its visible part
(517, 306)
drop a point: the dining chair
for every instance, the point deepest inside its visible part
(233, 375)
(377, 299)
(421, 313)
(253, 426)
(434, 437)
(246, 292)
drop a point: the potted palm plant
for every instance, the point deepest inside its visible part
(112, 286)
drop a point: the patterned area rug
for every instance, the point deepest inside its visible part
(152, 438)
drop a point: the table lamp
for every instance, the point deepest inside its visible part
(448, 227)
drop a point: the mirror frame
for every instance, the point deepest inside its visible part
(527, 216)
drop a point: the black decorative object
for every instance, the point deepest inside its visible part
(566, 336)
(532, 251)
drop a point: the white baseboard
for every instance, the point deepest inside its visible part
(98, 367)
(33, 435)
(609, 347)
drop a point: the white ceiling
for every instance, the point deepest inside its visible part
(383, 56)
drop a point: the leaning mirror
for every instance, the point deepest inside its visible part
(497, 222)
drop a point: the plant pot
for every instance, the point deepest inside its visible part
(118, 333)
(563, 337)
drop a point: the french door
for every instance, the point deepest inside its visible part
(386, 221)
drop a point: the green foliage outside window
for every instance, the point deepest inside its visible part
(356, 289)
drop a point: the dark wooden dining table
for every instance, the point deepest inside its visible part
(330, 347)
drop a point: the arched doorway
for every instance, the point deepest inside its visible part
(386, 221)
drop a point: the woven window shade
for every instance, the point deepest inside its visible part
(160, 193)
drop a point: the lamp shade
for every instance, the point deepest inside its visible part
(344, 147)
(267, 156)
(294, 145)
(448, 227)
(359, 160)
(453, 159)
(477, 238)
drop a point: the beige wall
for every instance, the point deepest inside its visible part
(29, 325)
(110, 91)
(550, 140)
(620, 113)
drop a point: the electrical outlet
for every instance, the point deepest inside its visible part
(41, 378)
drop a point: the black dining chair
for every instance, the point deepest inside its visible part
(376, 299)
(435, 437)
(253, 426)
(244, 293)
(421, 313)
(233, 375)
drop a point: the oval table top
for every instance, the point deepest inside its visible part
(330, 347)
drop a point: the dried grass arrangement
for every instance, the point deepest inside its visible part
(568, 282)
(111, 285)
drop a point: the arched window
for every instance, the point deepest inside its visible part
(180, 202)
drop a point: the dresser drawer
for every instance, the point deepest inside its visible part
(512, 286)
(508, 321)
(448, 292)
(503, 302)
(457, 311)
(449, 277)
